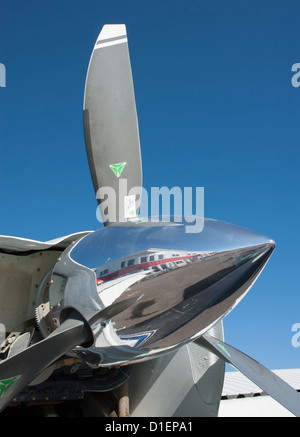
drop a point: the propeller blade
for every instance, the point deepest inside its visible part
(256, 372)
(19, 370)
(111, 127)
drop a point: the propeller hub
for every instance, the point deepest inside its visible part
(186, 282)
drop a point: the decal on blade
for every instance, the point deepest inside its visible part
(224, 349)
(129, 206)
(5, 384)
(117, 168)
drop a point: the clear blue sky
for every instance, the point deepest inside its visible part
(216, 108)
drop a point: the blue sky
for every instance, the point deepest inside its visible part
(216, 109)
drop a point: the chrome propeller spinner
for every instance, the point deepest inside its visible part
(185, 282)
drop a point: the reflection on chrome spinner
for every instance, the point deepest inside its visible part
(185, 283)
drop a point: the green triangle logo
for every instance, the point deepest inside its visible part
(5, 384)
(224, 349)
(117, 168)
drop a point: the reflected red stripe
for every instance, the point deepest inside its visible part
(142, 266)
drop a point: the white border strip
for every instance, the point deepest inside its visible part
(110, 43)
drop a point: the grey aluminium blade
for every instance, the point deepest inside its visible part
(18, 371)
(256, 372)
(111, 127)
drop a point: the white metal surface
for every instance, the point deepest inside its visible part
(24, 244)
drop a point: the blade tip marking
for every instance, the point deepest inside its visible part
(112, 32)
